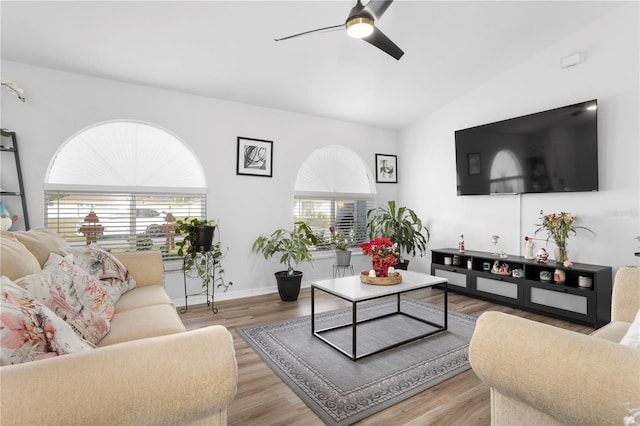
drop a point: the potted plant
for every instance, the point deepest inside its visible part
(200, 252)
(402, 226)
(293, 248)
(384, 253)
(343, 254)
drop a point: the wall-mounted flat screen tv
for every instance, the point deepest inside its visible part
(549, 151)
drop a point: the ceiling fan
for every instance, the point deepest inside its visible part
(360, 24)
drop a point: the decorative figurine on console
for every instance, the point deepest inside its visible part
(6, 221)
(542, 255)
(494, 240)
(529, 244)
(500, 269)
(461, 244)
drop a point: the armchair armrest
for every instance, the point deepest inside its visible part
(184, 378)
(625, 300)
(572, 377)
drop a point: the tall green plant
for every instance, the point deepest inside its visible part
(401, 225)
(292, 246)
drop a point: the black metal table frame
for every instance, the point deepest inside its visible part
(354, 323)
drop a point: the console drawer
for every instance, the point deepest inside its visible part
(501, 288)
(568, 302)
(454, 278)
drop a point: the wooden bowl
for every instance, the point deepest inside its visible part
(392, 280)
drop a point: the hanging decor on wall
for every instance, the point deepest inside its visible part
(255, 157)
(386, 168)
(15, 89)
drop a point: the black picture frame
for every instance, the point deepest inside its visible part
(255, 157)
(386, 168)
(474, 163)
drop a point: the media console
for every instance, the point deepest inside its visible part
(567, 300)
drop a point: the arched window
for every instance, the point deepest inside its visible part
(506, 173)
(334, 190)
(115, 183)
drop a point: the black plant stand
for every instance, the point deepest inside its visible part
(210, 271)
(341, 270)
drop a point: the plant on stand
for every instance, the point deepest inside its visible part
(341, 244)
(293, 248)
(199, 250)
(400, 225)
(558, 227)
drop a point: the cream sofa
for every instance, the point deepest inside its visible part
(543, 375)
(146, 370)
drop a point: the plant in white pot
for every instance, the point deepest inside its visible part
(402, 226)
(293, 248)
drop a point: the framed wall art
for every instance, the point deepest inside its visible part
(386, 168)
(255, 157)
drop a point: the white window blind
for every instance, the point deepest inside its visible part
(348, 217)
(129, 175)
(126, 154)
(334, 189)
(127, 221)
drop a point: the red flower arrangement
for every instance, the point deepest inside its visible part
(384, 253)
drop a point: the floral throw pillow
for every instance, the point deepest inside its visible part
(71, 293)
(30, 331)
(103, 266)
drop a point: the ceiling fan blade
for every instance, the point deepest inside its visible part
(333, 27)
(378, 7)
(384, 43)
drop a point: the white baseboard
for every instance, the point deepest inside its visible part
(201, 299)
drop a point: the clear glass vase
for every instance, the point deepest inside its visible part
(561, 254)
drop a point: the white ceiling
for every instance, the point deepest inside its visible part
(225, 49)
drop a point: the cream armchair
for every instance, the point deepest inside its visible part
(544, 375)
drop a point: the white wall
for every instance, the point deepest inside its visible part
(60, 104)
(609, 73)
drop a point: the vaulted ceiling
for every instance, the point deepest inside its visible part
(226, 49)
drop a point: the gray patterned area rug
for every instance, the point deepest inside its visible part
(341, 391)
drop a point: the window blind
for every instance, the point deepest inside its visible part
(127, 221)
(347, 216)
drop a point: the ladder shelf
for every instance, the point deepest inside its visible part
(13, 149)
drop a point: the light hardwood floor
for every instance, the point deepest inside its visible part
(263, 399)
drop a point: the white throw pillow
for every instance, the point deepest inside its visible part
(632, 338)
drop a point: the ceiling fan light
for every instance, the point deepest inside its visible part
(360, 27)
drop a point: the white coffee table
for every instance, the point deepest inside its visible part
(354, 291)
